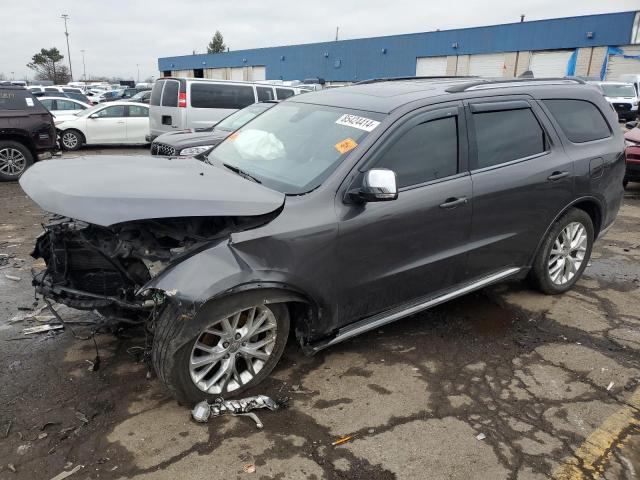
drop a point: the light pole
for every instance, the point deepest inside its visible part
(13, 75)
(84, 69)
(66, 17)
(138, 67)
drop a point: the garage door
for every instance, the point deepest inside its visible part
(214, 73)
(490, 65)
(182, 73)
(550, 64)
(258, 72)
(237, 73)
(431, 66)
(618, 65)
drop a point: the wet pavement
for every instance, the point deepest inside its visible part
(502, 384)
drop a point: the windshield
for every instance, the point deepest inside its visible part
(293, 147)
(242, 117)
(612, 90)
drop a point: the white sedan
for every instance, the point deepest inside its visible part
(107, 123)
(63, 106)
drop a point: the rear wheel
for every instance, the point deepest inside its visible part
(223, 351)
(71, 139)
(564, 254)
(15, 158)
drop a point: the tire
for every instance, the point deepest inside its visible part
(15, 158)
(174, 347)
(71, 139)
(555, 275)
(625, 183)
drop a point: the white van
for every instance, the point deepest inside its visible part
(182, 103)
(632, 78)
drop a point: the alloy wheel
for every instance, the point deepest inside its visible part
(12, 161)
(231, 351)
(567, 253)
(70, 140)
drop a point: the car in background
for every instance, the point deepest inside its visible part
(632, 153)
(27, 132)
(63, 106)
(190, 142)
(81, 97)
(104, 96)
(141, 97)
(181, 103)
(622, 96)
(128, 92)
(116, 123)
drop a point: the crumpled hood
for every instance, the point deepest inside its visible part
(633, 135)
(180, 140)
(112, 189)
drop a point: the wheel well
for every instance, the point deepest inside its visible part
(593, 210)
(26, 141)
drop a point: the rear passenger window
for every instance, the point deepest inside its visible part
(507, 135)
(283, 93)
(581, 121)
(215, 95)
(426, 152)
(156, 93)
(265, 94)
(170, 94)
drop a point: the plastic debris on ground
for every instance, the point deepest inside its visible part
(65, 474)
(249, 468)
(610, 386)
(205, 410)
(342, 440)
(481, 436)
(12, 277)
(42, 328)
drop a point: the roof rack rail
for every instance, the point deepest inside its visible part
(496, 83)
(425, 77)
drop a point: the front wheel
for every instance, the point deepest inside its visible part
(71, 139)
(15, 158)
(564, 253)
(228, 349)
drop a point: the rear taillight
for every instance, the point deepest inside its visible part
(182, 99)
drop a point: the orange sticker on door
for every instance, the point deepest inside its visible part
(346, 145)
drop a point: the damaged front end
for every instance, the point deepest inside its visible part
(93, 267)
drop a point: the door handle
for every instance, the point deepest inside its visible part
(122, 121)
(453, 202)
(557, 176)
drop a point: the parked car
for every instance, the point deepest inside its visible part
(181, 103)
(623, 98)
(634, 79)
(330, 215)
(110, 123)
(129, 93)
(141, 97)
(104, 96)
(75, 96)
(63, 106)
(27, 132)
(190, 142)
(632, 153)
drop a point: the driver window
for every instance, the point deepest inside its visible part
(111, 112)
(426, 152)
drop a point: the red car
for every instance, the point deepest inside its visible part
(632, 154)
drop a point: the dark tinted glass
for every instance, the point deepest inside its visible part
(15, 100)
(78, 96)
(138, 111)
(265, 94)
(111, 112)
(426, 152)
(156, 93)
(67, 105)
(47, 102)
(214, 95)
(283, 93)
(51, 89)
(580, 121)
(507, 135)
(170, 94)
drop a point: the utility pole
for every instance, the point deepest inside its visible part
(66, 32)
(337, 30)
(84, 69)
(138, 67)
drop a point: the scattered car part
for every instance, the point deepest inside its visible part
(42, 328)
(205, 410)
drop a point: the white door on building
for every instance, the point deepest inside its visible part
(550, 64)
(618, 65)
(214, 73)
(182, 73)
(258, 72)
(487, 65)
(431, 66)
(237, 73)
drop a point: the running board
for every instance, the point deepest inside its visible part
(389, 316)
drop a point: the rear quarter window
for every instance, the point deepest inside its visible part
(204, 95)
(16, 100)
(581, 121)
(156, 93)
(283, 93)
(170, 93)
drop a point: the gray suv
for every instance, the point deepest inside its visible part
(331, 214)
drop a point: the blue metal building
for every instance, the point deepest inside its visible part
(397, 55)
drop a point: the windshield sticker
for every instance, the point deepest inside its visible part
(346, 145)
(355, 121)
(29, 102)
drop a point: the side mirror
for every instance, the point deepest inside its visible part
(378, 185)
(93, 115)
(631, 125)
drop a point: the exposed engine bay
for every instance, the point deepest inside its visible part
(94, 267)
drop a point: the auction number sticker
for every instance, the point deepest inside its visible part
(29, 102)
(355, 121)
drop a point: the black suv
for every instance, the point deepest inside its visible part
(27, 132)
(330, 214)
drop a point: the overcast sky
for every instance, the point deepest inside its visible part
(118, 34)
